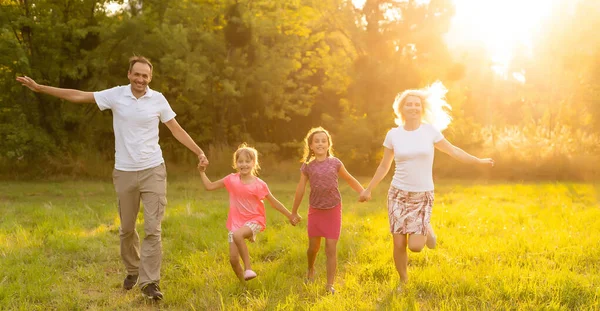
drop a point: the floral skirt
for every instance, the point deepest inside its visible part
(409, 212)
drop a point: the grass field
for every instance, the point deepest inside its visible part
(500, 247)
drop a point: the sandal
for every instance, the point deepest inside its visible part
(249, 275)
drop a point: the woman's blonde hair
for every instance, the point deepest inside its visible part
(308, 153)
(251, 153)
(434, 105)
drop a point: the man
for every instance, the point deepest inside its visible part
(139, 166)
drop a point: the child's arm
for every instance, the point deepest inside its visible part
(209, 185)
(343, 172)
(298, 196)
(278, 206)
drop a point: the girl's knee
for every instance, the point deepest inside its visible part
(313, 249)
(238, 237)
(331, 252)
(331, 249)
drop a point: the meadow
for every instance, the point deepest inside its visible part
(501, 246)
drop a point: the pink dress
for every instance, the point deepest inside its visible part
(325, 200)
(245, 202)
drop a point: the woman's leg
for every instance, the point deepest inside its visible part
(416, 242)
(431, 237)
(401, 256)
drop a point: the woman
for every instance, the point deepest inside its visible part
(421, 117)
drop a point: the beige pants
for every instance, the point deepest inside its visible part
(149, 185)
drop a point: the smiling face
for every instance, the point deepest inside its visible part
(320, 144)
(245, 164)
(412, 108)
(139, 76)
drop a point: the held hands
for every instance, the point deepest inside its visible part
(365, 196)
(295, 219)
(202, 163)
(202, 167)
(29, 82)
(202, 160)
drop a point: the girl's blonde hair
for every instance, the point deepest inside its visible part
(434, 105)
(308, 153)
(251, 153)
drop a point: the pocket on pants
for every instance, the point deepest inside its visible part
(154, 213)
(161, 172)
(115, 175)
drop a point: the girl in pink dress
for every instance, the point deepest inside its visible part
(321, 169)
(246, 215)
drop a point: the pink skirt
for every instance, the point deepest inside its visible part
(325, 223)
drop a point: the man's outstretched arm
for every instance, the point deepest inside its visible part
(71, 95)
(184, 138)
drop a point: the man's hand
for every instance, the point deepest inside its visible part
(202, 163)
(202, 160)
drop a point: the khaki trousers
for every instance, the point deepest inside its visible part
(149, 185)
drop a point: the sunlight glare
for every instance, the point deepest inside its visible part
(359, 4)
(113, 7)
(519, 76)
(501, 26)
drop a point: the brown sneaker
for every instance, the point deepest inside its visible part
(152, 291)
(130, 281)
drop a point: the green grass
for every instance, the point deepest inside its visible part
(500, 247)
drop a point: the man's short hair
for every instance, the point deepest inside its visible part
(139, 59)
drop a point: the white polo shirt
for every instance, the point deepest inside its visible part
(413, 155)
(135, 123)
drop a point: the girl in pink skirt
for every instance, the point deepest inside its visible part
(321, 169)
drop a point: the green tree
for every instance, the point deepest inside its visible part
(51, 41)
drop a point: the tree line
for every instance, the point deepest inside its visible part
(264, 72)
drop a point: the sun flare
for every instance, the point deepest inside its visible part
(501, 27)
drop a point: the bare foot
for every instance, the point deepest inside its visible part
(400, 287)
(310, 276)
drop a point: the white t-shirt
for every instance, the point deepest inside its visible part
(413, 155)
(135, 122)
